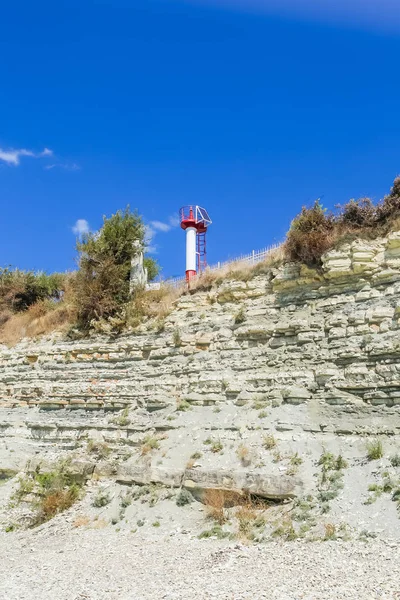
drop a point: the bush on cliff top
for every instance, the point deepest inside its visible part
(310, 235)
(314, 231)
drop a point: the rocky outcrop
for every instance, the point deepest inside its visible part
(310, 357)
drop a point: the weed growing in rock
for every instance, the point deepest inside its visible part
(395, 460)
(48, 493)
(196, 455)
(244, 455)
(246, 516)
(215, 531)
(183, 406)
(177, 338)
(330, 532)
(374, 450)
(331, 478)
(184, 497)
(126, 500)
(240, 316)
(389, 485)
(101, 499)
(215, 501)
(269, 442)
(123, 420)
(286, 530)
(296, 460)
(100, 449)
(215, 445)
(149, 443)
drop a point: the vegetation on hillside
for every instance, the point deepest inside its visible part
(97, 296)
(32, 303)
(315, 230)
(101, 284)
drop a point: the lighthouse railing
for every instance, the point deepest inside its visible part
(254, 257)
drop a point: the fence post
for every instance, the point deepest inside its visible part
(253, 254)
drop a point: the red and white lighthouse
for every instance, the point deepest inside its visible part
(195, 220)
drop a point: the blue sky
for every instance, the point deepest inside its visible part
(251, 109)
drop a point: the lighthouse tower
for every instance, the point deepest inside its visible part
(195, 221)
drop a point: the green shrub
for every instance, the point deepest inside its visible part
(101, 499)
(395, 460)
(215, 531)
(184, 497)
(215, 445)
(374, 450)
(102, 283)
(53, 492)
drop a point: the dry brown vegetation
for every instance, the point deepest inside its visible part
(36, 321)
(94, 299)
(248, 510)
(315, 230)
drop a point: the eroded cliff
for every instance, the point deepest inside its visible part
(244, 387)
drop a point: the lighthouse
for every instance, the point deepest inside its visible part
(195, 221)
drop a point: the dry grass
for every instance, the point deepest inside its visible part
(154, 304)
(239, 271)
(246, 516)
(99, 524)
(217, 500)
(269, 442)
(81, 521)
(244, 455)
(330, 531)
(149, 443)
(55, 502)
(215, 505)
(40, 319)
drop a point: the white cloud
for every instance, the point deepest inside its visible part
(174, 221)
(159, 226)
(155, 227)
(81, 227)
(12, 157)
(65, 166)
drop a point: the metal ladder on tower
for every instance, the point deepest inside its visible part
(201, 252)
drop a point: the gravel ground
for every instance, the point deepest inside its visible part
(104, 564)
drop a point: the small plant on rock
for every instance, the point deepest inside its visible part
(196, 455)
(101, 499)
(215, 501)
(240, 316)
(100, 449)
(374, 450)
(123, 420)
(244, 455)
(150, 442)
(183, 406)
(184, 497)
(215, 445)
(269, 442)
(177, 338)
(395, 460)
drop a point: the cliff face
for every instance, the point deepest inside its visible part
(311, 359)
